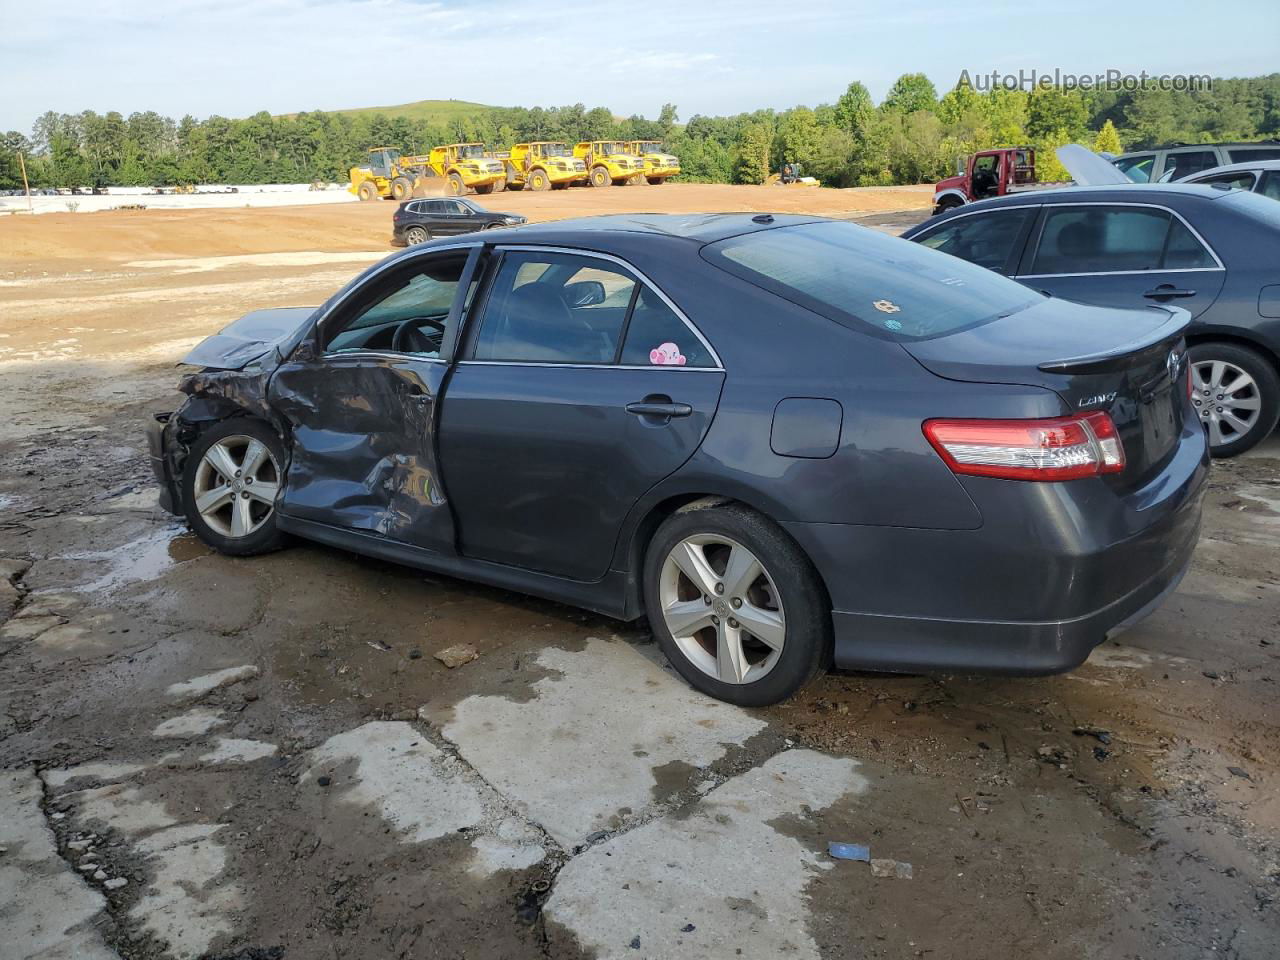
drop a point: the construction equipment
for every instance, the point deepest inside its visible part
(608, 162)
(792, 176)
(466, 167)
(544, 165)
(658, 164)
(387, 174)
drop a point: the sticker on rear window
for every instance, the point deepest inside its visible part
(667, 355)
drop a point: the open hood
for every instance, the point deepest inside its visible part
(1087, 168)
(252, 336)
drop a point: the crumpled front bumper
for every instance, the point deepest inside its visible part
(157, 430)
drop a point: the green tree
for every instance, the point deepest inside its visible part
(1107, 140)
(1055, 112)
(911, 92)
(751, 154)
(855, 109)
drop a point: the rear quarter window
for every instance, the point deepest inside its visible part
(890, 288)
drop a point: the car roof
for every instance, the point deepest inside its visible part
(1200, 146)
(1232, 168)
(1113, 192)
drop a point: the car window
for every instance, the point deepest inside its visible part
(1241, 180)
(986, 239)
(858, 277)
(1179, 164)
(406, 313)
(656, 336)
(1137, 168)
(1253, 154)
(457, 208)
(1270, 184)
(1183, 251)
(1100, 240)
(554, 308)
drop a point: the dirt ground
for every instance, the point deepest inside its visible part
(269, 755)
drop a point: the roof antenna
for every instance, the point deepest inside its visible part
(762, 218)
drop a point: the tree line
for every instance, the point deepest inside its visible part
(912, 136)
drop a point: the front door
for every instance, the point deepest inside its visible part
(1118, 255)
(361, 402)
(582, 387)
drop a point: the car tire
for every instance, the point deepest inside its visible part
(416, 235)
(697, 625)
(1222, 372)
(225, 449)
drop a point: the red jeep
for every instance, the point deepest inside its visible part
(990, 173)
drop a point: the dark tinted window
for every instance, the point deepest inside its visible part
(656, 336)
(1183, 251)
(1253, 154)
(1100, 240)
(1188, 162)
(1137, 168)
(986, 239)
(554, 308)
(859, 277)
(1270, 184)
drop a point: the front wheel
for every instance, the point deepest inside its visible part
(946, 205)
(229, 487)
(456, 187)
(1235, 392)
(600, 177)
(736, 606)
(539, 181)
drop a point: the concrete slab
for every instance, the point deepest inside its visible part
(588, 752)
(194, 723)
(721, 883)
(46, 910)
(198, 687)
(393, 768)
(228, 750)
(98, 772)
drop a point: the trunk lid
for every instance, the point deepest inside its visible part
(1129, 363)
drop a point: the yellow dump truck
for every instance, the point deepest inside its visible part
(543, 165)
(466, 167)
(608, 162)
(658, 164)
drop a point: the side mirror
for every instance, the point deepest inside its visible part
(584, 293)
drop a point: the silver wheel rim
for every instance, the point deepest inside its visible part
(417, 235)
(722, 608)
(235, 486)
(1227, 399)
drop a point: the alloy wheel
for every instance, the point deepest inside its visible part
(722, 608)
(1227, 399)
(235, 485)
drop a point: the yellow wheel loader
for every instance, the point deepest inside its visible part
(659, 165)
(387, 174)
(608, 162)
(543, 165)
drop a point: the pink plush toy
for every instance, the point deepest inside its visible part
(667, 354)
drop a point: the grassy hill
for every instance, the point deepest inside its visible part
(432, 111)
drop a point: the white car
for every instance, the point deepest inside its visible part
(1260, 176)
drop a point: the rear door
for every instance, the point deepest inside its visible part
(581, 387)
(1121, 255)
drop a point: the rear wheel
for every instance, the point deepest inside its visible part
(401, 188)
(456, 187)
(229, 487)
(656, 181)
(484, 188)
(1236, 394)
(600, 177)
(416, 235)
(367, 191)
(736, 606)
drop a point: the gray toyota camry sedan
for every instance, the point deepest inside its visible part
(789, 442)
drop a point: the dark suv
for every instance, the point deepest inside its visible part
(417, 221)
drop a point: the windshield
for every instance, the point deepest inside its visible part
(610, 149)
(654, 147)
(554, 150)
(472, 151)
(864, 279)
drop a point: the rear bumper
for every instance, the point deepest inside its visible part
(1032, 592)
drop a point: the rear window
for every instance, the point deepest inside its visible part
(1255, 205)
(891, 288)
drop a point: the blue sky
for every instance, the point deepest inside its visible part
(235, 57)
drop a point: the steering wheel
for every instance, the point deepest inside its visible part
(409, 337)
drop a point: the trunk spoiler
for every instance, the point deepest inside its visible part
(1174, 326)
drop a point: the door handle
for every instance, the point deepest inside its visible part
(665, 410)
(1167, 291)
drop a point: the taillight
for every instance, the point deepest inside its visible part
(1058, 448)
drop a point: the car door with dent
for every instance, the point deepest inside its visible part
(581, 386)
(360, 399)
